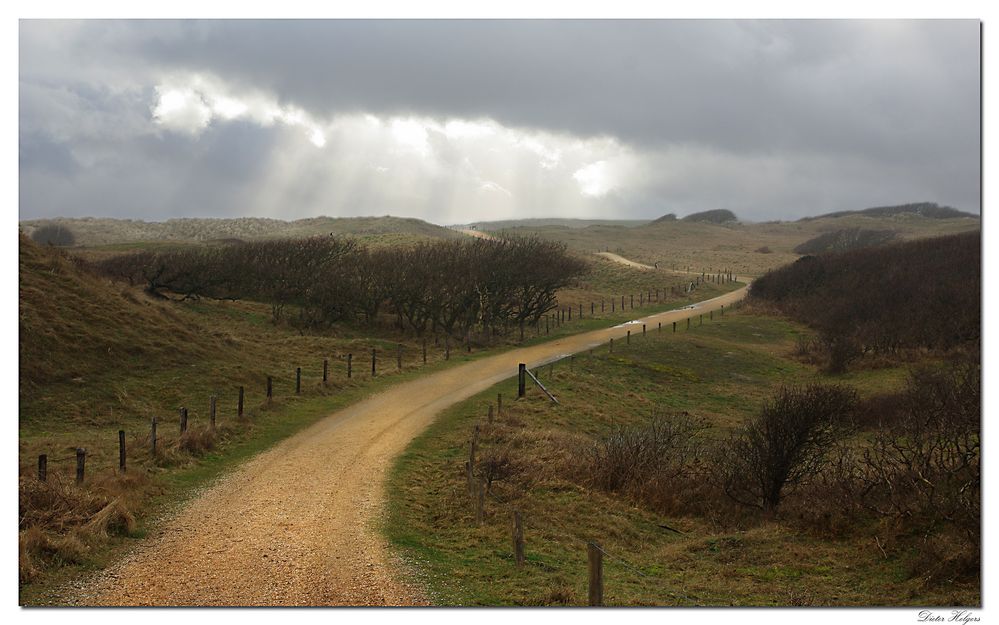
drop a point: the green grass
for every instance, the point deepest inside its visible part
(720, 371)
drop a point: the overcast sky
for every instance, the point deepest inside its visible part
(456, 121)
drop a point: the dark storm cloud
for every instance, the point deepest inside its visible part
(772, 119)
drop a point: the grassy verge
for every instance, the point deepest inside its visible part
(720, 371)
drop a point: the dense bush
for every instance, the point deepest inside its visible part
(917, 294)
(847, 239)
(446, 286)
(53, 235)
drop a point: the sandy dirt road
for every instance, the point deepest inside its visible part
(623, 260)
(297, 524)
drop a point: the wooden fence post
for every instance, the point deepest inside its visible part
(326, 371)
(350, 360)
(521, 379)
(270, 388)
(700, 319)
(490, 413)
(688, 323)
(43, 467)
(212, 401)
(570, 313)
(581, 311)
(613, 304)
(183, 420)
(447, 347)
(711, 315)
(152, 435)
(239, 405)
(81, 462)
(470, 463)
(499, 404)
(518, 539)
(643, 330)
(374, 359)
(674, 327)
(723, 310)
(424, 351)
(660, 330)
(601, 305)
(298, 380)
(398, 356)
(612, 346)
(480, 501)
(628, 338)
(121, 450)
(592, 309)
(596, 561)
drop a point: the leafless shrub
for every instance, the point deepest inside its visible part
(924, 471)
(786, 444)
(648, 461)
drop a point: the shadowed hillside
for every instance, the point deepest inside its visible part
(73, 322)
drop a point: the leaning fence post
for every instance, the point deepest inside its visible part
(183, 420)
(121, 450)
(81, 461)
(518, 539)
(596, 562)
(298, 380)
(43, 467)
(521, 379)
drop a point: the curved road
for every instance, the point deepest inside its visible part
(297, 524)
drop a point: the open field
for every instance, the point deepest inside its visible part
(747, 249)
(720, 371)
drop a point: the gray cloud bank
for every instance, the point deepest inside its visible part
(464, 120)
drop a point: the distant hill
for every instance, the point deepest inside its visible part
(665, 218)
(929, 210)
(91, 231)
(717, 216)
(846, 239)
(555, 222)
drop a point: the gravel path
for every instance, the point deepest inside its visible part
(297, 524)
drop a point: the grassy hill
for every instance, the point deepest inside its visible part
(91, 231)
